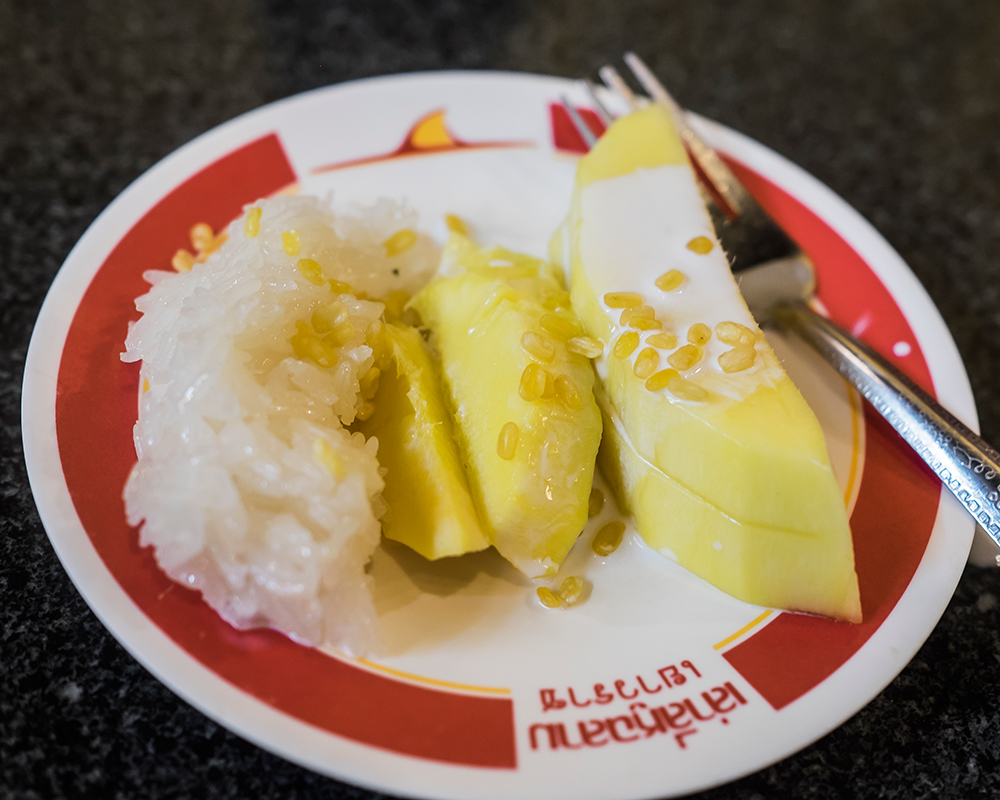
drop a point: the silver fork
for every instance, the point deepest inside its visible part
(777, 280)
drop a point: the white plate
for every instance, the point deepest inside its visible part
(658, 684)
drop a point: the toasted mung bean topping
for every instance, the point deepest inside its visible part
(608, 538)
(660, 380)
(560, 327)
(646, 363)
(401, 241)
(532, 385)
(507, 442)
(645, 324)
(626, 343)
(182, 261)
(639, 311)
(686, 390)
(326, 317)
(700, 245)
(538, 346)
(738, 359)
(311, 271)
(663, 341)
(456, 224)
(585, 346)
(670, 280)
(699, 334)
(251, 225)
(732, 333)
(622, 299)
(567, 392)
(291, 242)
(547, 598)
(685, 357)
(570, 590)
(595, 503)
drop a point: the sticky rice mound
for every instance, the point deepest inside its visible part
(247, 485)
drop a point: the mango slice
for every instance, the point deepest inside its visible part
(527, 424)
(707, 441)
(429, 507)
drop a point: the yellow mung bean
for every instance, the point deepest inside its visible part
(699, 334)
(291, 242)
(507, 441)
(401, 241)
(456, 224)
(646, 363)
(700, 245)
(670, 280)
(326, 317)
(538, 346)
(251, 225)
(585, 346)
(182, 261)
(686, 390)
(570, 590)
(626, 343)
(339, 287)
(738, 359)
(567, 392)
(660, 380)
(547, 598)
(663, 341)
(622, 299)
(732, 333)
(311, 271)
(640, 311)
(645, 324)
(533, 382)
(608, 538)
(685, 357)
(560, 327)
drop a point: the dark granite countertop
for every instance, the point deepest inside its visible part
(892, 103)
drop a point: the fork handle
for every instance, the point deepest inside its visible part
(965, 463)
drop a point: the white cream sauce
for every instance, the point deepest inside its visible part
(635, 227)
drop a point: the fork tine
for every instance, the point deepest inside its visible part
(617, 84)
(602, 110)
(722, 179)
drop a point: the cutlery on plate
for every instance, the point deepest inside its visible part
(778, 280)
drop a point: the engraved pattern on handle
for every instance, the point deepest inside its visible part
(965, 463)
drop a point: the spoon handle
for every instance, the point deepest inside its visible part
(965, 463)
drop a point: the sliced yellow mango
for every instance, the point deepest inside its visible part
(707, 441)
(526, 420)
(430, 508)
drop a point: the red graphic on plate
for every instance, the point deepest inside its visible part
(95, 408)
(565, 136)
(428, 136)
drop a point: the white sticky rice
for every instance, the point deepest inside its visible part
(247, 485)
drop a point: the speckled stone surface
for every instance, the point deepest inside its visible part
(894, 104)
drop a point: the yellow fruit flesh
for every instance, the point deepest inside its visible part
(533, 497)
(430, 508)
(739, 488)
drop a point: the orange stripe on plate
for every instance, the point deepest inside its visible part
(749, 626)
(432, 681)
